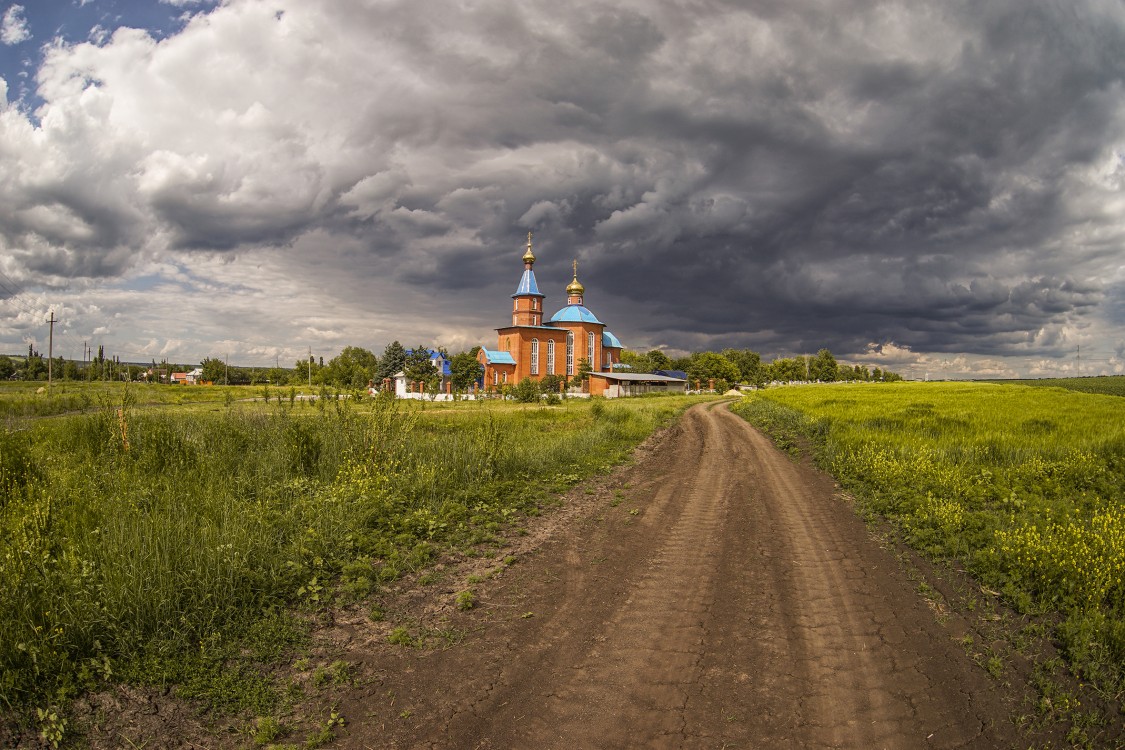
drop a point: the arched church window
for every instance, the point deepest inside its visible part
(551, 357)
(570, 352)
(590, 350)
(535, 356)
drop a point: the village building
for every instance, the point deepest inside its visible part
(195, 377)
(617, 384)
(404, 388)
(534, 347)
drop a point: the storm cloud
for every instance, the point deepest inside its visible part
(939, 180)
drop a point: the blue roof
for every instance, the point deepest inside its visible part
(527, 284)
(574, 314)
(498, 358)
(671, 373)
(435, 355)
(608, 339)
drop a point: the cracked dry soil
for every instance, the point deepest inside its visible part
(731, 600)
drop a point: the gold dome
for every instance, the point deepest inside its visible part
(529, 257)
(575, 287)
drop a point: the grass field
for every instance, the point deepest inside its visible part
(22, 399)
(1109, 385)
(162, 545)
(1025, 486)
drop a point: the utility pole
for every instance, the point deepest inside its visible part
(310, 367)
(226, 370)
(51, 349)
(1080, 359)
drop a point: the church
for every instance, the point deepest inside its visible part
(533, 348)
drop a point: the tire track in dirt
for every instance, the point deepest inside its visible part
(869, 667)
(642, 666)
(744, 605)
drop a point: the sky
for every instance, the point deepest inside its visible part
(933, 187)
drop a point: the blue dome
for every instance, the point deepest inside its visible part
(527, 285)
(608, 339)
(574, 314)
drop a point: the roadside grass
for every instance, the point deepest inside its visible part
(1025, 487)
(187, 549)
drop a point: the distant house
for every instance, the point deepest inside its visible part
(406, 389)
(187, 378)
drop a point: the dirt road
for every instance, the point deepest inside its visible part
(716, 594)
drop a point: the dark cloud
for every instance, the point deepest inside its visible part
(785, 176)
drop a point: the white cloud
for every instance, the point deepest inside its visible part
(723, 174)
(13, 26)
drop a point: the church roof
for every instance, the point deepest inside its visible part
(498, 358)
(608, 339)
(575, 314)
(528, 285)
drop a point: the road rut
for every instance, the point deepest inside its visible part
(725, 596)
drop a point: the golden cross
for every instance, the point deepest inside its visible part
(576, 268)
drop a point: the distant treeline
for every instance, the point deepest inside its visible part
(356, 367)
(734, 366)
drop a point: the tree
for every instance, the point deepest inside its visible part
(352, 368)
(464, 371)
(659, 360)
(707, 366)
(34, 368)
(7, 367)
(418, 367)
(876, 374)
(391, 363)
(823, 367)
(787, 370)
(584, 369)
(214, 370)
(526, 391)
(680, 363)
(306, 371)
(552, 384)
(636, 362)
(749, 365)
(70, 370)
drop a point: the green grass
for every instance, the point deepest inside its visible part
(1025, 486)
(179, 547)
(21, 399)
(1109, 385)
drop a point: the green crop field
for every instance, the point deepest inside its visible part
(1110, 385)
(160, 545)
(1024, 486)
